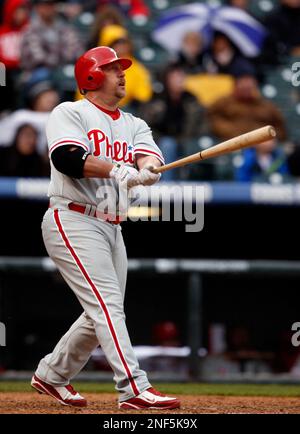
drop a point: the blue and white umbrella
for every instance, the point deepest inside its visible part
(240, 27)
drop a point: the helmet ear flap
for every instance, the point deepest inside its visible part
(99, 77)
(93, 80)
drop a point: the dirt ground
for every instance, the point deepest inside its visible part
(106, 403)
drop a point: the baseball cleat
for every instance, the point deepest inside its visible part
(150, 399)
(66, 395)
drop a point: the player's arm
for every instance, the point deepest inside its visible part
(77, 163)
(146, 152)
(147, 160)
(94, 168)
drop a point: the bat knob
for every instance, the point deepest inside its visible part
(272, 131)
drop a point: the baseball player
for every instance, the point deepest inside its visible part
(94, 146)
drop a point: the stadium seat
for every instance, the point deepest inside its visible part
(279, 88)
(64, 80)
(260, 8)
(152, 57)
(213, 169)
(83, 24)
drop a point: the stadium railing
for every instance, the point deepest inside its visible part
(214, 192)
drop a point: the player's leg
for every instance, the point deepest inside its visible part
(70, 354)
(119, 257)
(82, 249)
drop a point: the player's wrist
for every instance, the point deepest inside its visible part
(114, 170)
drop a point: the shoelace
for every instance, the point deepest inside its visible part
(155, 392)
(70, 389)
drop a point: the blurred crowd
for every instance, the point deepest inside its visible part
(192, 98)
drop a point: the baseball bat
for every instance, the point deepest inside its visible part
(246, 140)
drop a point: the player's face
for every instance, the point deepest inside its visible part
(114, 82)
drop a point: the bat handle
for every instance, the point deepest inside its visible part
(156, 170)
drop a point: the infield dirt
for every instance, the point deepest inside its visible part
(106, 403)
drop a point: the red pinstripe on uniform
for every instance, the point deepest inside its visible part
(99, 298)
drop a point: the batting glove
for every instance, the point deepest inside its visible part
(147, 177)
(125, 176)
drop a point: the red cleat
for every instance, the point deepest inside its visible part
(66, 395)
(150, 399)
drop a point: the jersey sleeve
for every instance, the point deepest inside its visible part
(65, 127)
(144, 143)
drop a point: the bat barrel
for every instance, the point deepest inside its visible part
(246, 140)
(240, 142)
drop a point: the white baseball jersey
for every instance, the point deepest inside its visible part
(110, 136)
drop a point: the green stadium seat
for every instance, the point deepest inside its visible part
(83, 24)
(213, 169)
(64, 78)
(153, 57)
(280, 89)
(260, 8)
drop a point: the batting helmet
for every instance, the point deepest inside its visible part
(88, 72)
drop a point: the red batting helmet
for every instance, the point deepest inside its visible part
(88, 72)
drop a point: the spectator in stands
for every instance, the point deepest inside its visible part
(132, 8)
(240, 4)
(262, 162)
(15, 20)
(49, 41)
(211, 69)
(22, 157)
(165, 334)
(41, 98)
(283, 26)
(174, 115)
(167, 348)
(71, 9)
(138, 8)
(244, 110)
(241, 349)
(190, 56)
(224, 58)
(105, 16)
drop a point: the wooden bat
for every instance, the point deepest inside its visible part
(251, 138)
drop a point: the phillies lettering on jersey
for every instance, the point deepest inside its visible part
(110, 136)
(118, 151)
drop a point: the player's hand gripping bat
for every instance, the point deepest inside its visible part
(246, 140)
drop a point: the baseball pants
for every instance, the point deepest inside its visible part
(90, 254)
